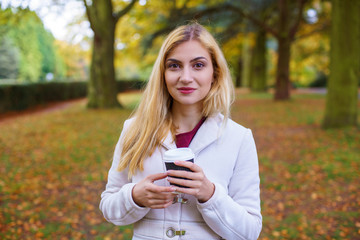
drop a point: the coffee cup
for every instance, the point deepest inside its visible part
(178, 154)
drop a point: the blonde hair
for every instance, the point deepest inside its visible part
(152, 119)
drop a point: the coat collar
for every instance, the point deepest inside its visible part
(207, 134)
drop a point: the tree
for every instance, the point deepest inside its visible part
(72, 61)
(102, 91)
(342, 96)
(283, 29)
(258, 63)
(234, 53)
(34, 45)
(47, 50)
(23, 31)
(9, 59)
(285, 36)
(309, 65)
(257, 72)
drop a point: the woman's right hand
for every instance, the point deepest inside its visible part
(147, 194)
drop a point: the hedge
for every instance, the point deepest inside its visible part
(25, 95)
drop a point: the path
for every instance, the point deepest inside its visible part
(46, 108)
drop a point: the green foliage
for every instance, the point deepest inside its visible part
(47, 50)
(60, 65)
(320, 80)
(35, 45)
(9, 58)
(311, 53)
(24, 34)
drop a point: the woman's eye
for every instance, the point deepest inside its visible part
(199, 65)
(173, 66)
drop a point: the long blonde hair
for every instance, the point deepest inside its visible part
(152, 119)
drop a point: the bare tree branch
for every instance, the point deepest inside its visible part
(256, 21)
(148, 41)
(121, 13)
(88, 11)
(90, 15)
(298, 19)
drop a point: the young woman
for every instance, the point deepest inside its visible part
(186, 104)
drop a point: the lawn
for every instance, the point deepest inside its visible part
(54, 164)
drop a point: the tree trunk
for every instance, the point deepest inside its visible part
(282, 91)
(246, 56)
(342, 96)
(102, 89)
(258, 63)
(282, 85)
(238, 76)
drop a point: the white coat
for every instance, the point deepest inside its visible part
(228, 158)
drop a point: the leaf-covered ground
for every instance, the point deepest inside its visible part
(53, 168)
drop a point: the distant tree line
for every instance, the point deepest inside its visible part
(27, 49)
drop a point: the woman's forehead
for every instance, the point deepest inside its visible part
(189, 50)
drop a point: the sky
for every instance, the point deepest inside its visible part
(57, 18)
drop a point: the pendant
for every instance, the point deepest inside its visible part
(178, 199)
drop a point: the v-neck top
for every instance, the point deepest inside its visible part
(184, 139)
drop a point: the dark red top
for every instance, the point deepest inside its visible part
(184, 139)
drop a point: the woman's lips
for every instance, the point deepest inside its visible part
(186, 90)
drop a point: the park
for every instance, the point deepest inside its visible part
(303, 110)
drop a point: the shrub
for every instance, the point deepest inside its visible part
(25, 95)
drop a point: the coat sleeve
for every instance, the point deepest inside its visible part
(234, 213)
(117, 204)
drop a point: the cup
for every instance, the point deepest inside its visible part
(178, 154)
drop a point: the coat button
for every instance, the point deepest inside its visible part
(170, 232)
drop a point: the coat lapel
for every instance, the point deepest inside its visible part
(207, 134)
(169, 142)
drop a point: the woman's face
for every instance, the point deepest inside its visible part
(189, 74)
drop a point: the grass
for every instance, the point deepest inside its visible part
(54, 165)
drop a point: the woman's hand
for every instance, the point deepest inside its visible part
(199, 185)
(147, 194)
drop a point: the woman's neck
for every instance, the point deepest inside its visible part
(185, 118)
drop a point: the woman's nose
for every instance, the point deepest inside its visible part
(186, 75)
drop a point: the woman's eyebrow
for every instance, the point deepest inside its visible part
(173, 60)
(192, 60)
(198, 58)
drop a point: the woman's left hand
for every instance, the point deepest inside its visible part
(199, 185)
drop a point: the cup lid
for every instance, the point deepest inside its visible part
(178, 154)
